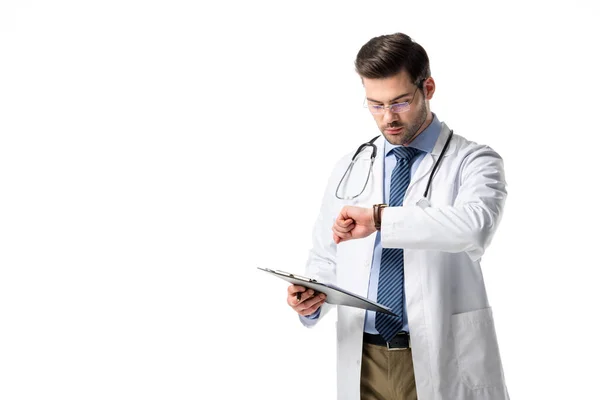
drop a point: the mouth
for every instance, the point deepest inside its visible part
(394, 131)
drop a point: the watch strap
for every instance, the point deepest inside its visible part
(377, 214)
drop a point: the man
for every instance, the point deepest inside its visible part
(419, 254)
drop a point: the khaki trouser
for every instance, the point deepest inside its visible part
(387, 374)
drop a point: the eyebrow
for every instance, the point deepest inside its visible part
(392, 100)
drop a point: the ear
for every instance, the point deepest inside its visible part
(429, 88)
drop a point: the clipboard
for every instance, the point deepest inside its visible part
(335, 294)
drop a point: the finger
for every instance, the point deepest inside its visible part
(342, 234)
(309, 304)
(313, 309)
(292, 298)
(292, 289)
(343, 222)
(343, 213)
(343, 227)
(304, 296)
(317, 298)
(341, 237)
(296, 303)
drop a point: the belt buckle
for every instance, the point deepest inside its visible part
(398, 348)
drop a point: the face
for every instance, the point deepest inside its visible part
(400, 128)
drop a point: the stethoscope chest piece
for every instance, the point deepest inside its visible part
(424, 203)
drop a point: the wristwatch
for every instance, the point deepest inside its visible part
(377, 214)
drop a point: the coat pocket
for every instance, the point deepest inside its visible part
(476, 349)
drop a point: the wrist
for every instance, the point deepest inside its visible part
(377, 211)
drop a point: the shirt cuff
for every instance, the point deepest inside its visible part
(311, 319)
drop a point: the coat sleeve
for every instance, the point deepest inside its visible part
(468, 225)
(321, 264)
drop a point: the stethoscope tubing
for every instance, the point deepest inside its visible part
(371, 144)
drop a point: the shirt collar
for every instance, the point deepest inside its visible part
(425, 141)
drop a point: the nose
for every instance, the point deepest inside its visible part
(389, 116)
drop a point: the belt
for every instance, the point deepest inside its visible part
(400, 342)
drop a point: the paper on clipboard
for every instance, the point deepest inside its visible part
(335, 294)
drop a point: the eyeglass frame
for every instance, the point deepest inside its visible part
(405, 104)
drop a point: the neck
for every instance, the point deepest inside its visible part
(425, 123)
(423, 126)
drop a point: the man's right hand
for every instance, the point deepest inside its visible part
(309, 300)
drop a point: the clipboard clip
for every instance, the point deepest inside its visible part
(300, 277)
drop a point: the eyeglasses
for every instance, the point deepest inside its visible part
(396, 108)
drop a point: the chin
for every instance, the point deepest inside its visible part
(395, 140)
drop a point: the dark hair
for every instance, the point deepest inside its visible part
(387, 55)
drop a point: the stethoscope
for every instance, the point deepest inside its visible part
(423, 203)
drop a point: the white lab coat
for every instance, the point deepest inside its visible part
(454, 345)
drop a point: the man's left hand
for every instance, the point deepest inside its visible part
(353, 223)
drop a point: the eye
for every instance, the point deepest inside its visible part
(399, 106)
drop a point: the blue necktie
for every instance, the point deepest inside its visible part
(390, 288)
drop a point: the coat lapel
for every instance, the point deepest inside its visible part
(429, 160)
(377, 177)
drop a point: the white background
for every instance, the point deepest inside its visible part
(154, 153)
